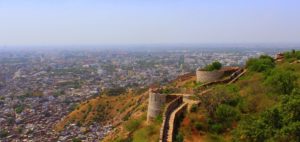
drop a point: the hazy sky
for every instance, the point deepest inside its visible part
(93, 22)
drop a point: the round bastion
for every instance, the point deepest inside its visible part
(208, 76)
(156, 102)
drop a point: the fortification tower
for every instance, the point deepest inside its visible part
(155, 104)
(208, 76)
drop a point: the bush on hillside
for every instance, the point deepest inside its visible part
(267, 57)
(3, 133)
(261, 64)
(292, 55)
(226, 114)
(222, 95)
(159, 119)
(19, 108)
(194, 108)
(213, 66)
(199, 125)
(279, 123)
(115, 91)
(282, 81)
(76, 140)
(132, 125)
(179, 138)
(217, 128)
(220, 106)
(146, 134)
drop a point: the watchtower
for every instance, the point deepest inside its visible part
(155, 104)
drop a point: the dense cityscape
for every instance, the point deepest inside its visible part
(149, 71)
(37, 89)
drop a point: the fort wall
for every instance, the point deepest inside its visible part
(174, 122)
(166, 117)
(208, 76)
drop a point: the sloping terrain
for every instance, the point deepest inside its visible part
(263, 105)
(104, 109)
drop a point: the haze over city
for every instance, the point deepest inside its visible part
(135, 22)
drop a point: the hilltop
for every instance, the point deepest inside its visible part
(262, 104)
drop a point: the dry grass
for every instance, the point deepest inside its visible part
(103, 109)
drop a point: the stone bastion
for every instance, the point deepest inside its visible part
(208, 76)
(156, 103)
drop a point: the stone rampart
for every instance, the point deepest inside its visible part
(233, 76)
(174, 122)
(166, 117)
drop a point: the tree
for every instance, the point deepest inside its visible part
(213, 66)
(217, 65)
(19, 108)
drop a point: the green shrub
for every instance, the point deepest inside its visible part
(222, 94)
(19, 108)
(3, 133)
(226, 114)
(144, 134)
(129, 139)
(159, 119)
(292, 55)
(279, 123)
(199, 125)
(132, 125)
(282, 81)
(261, 64)
(213, 66)
(243, 106)
(194, 108)
(76, 140)
(267, 57)
(179, 138)
(217, 128)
